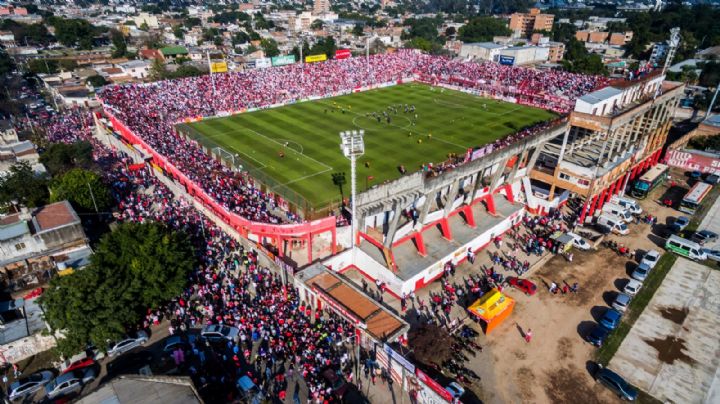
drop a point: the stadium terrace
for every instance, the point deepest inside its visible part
(150, 111)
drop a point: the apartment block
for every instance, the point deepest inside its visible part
(525, 23)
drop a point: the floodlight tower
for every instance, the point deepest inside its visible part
(352, 146)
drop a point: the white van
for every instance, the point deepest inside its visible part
(627, 203)
(615, 224)
(618, 211)
(686, 248)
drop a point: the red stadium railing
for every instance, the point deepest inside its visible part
(277, 232)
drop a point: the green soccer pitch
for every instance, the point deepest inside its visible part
(298, 146)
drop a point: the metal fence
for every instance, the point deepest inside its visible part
(296, 202)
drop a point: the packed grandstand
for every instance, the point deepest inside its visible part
(152, 110)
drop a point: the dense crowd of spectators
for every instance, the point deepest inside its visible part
(280, 338)
(151, 110)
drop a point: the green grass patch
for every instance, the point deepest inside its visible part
(295, 149)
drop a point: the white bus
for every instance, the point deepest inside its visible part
(694, 197)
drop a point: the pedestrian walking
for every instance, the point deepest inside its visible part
(528, 335)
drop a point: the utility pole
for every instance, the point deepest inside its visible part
(93, 197)
(212, 78)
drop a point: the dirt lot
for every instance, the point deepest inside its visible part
(556, 365)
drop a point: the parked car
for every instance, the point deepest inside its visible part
(128, 343)
(216, 332)
(621, 302)
(130, 363)
(27, 386)
(695, 175)
(611, 319)
(712, 254)
(70, 382)
(679, 224)
(713, 179)
(703, 237)
(80, 364)
(616, 383)
(178, 341)
(455, 390)
(598, 335)
(336, 381)
(633, 287)
(528, 287)
(641, 272)
(579, 242)
(650, 259)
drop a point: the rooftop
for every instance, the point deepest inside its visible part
(55, 215)
(145, 389)
(379, 322)
(601, 95)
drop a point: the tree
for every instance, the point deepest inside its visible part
(43, 66)
(96, 81)
(179, 32)
(158, 71)
(426, 349)
(240, 37)
(135, 268)
(74, 32)
(21, 185)
(358, 29)
(270, 47)
(67, 64)
(338, 180)
(710, 75)
(144, 26)
(118, 42)
(450, 32)
(83, 188)
(60, 158)
(317, 25)
(482, 29)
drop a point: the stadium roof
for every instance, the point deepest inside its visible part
(600, 95)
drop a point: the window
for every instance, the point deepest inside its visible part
(564, 176)
(20, 246)
(584, 183)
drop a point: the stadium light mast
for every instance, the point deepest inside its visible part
(352, 146)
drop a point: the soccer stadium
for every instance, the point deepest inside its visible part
(445, 141)
(408, 127)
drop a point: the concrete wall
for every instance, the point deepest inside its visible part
(26, 347)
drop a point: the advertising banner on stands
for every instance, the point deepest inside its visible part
(342, 54)
(283, 60)
(219, 67)
(694, 160)
(263, 63)
(315, 58)
(431, 392)
(506, 60)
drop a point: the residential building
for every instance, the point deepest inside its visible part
(523, 24)
(145, 18)
(7, 38)
(12, 10)
(523, 55)
(170, 53)
(33, 243)
(300, 22)
(556, 51)
(321, 6)
(137, 69)
(13, 151)
(621, 38)
(481, 50)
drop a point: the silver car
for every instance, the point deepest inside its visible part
(621, 302)
(216, 333)
(712, 254)
(127, 344)
(30, 385)
(71, 382)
